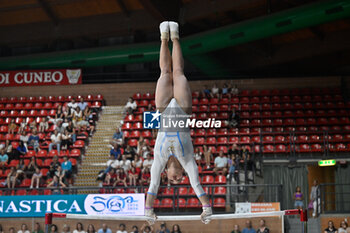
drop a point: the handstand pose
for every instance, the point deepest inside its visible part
(173, 149)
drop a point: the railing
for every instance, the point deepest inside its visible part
(334, 198)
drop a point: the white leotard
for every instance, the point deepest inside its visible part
(176, 143)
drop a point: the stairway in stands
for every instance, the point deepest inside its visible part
(294, 225)
(97, 153)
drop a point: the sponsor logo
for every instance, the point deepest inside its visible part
(73, 76)
(151, 120)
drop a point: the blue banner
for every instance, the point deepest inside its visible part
(92, 204)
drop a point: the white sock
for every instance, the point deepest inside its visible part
(174, 30)
(164, 30)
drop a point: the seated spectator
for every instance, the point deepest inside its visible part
(20, 151)
(79, 228)
(130, 106)
(33, 140)
(150, 108)
(33, 125)
(4, 158)
(67, 168)
(163, 229)
(72, 105)
(60, 173)
(145, 176)
(58, 118)
(176, 229)
(12, 127)
(142, 148)
(71, 130)
(91, 229)
(56, 183)
(37, 228)
(330, 228)
(24, 229)
(224, 90)
(236, 229)
(233, 119)
(66, 140)
(12, 230)
(24, 138)
(125, 163)
(12, 180)
(207, 156)
(135, 229)
(51, 172)
(77, 116)
(249, 228)
(262, 228)
(206, 91)
(198, 155)
(121, 178)
(85, 123)
(130, 152)
(36, 178)
(147, 163)
(234, 90)
(298, 198)
(66, 229)
(21, 170)
(104, 229)
(53, 229)
(122, 228)
(116, 152)
(343, 227)
(137, 163)
(43, 125)
(215, 91)
(22, 127)
(146, 229)
(55, 141)
(111, 177)
(55, 162)
(82, 105)
(31, 167)
(220, 164)
(133, 176)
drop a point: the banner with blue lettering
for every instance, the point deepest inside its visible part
(92, 204)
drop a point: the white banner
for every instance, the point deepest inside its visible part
(115, 204)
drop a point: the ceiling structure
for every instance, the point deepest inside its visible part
(47, 26)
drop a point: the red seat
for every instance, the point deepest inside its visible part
(222, 148)
(137, 125)
(268, 149)
(199, 141)
(208, 179)
(302, 138)
(316, 148)
(135, 134)
(21, 192)
(53, 153)
(132, 142)
(204, 101)
(203, 108)
(268, 139)
(244, 140)
(211, 141)
(233, 140)
(280, 148)
(220, 179)
(185, 180)
(168, 192)
(192, 203)
(213, 108)
(26, 183)
(222, 132)
(220, 191)
(183, 191)
(288, 121)
(181, 203)
(224, 108)
(79, 144)
(322, 121)
(337, 138)
(304, 148)
(222, 140)
(219, 203)
(212, 132)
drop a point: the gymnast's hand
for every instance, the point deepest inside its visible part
(206, 215)
(150, 215)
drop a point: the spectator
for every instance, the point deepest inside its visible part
(207, 152)
(65, 123)
(122, 228)
(130, 152)
(117, 137)
(53, 229)
(33, 140)
(133, 176)
(55, 141)
(56, 183)
(66, 141)
(111, 177)
(60, 173)
(146, 229)
(71, 130)
(104, 229)
(36, 178)
(146, 176)
(137, 163)
(43, 125)
(236, 229)
(298, 198)
(12, 178)
(79, 228)
(22, 127)
(232, 167)
(31, 167)
(12, 127)
(21, 150)
(234, 90)
(315, 200)
(91, 229)
(125, 164)
(24, 229)
(163, 229)
(220, 164)
(55, 163)
(330, 228)
(77, 116)
(116, 152)
(72, 105)
(135, 229)
(4, 158)
(12, 230)
(262, 228)
(147, 163)
(37, 228)
(21, 170)
(206, 91)
(142, 147)
(198, 155)
(224, 89)
(233, 119)
(82, 105)
(343, 227)
(66, 229)
(67, 168)
(32, 125)
(215, 91)
(121, 177)
(130, 106)
(176, 229)
(24, 138)
(249, 228)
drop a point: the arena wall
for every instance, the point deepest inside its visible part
(117, 93)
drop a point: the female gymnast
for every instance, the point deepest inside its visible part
(173, 149)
